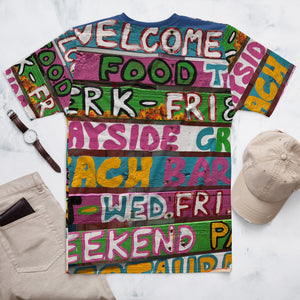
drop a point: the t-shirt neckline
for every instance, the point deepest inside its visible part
(165, 22)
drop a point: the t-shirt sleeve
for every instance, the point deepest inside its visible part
(257, 75)
(42, 81)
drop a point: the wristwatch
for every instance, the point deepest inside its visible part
(30, 137)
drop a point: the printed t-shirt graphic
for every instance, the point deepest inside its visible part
(149, 109)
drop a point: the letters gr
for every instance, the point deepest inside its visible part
(214, 139)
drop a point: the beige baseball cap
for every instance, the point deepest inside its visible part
(270, 174)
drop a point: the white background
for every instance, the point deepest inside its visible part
(266, 258)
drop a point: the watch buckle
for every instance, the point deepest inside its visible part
(10, 112)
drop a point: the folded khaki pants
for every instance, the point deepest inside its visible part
(32, 247)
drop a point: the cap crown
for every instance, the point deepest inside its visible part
(272, 166)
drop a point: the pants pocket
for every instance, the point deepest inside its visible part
(31, 242)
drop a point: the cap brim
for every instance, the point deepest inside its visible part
(249, 207)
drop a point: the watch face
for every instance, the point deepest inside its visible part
(30, 136)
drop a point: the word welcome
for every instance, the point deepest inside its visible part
(114, 34)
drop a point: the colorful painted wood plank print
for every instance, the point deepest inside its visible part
(149, 109)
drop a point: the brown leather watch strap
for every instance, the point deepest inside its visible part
(13, 116)
(46, 155)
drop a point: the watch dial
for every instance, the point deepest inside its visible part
(30, 136)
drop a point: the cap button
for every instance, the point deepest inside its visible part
(283, 156)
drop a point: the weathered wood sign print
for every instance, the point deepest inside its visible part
(149, 109)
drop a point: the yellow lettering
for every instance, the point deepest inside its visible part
(227, 260)
(277, 71)
(134, 176)
(191, 265)
(259, 86)
(69, 160)
(161, 267)
(228, 244)
(257, 105)
(85, 169)
(112, 269)
(177, 265)
(218, 230)
(139, 268)
(110, 163)
(86, 271)
(207, 263)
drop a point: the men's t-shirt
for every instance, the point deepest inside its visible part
(149, 109)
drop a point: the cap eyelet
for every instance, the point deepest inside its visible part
(283, 156)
